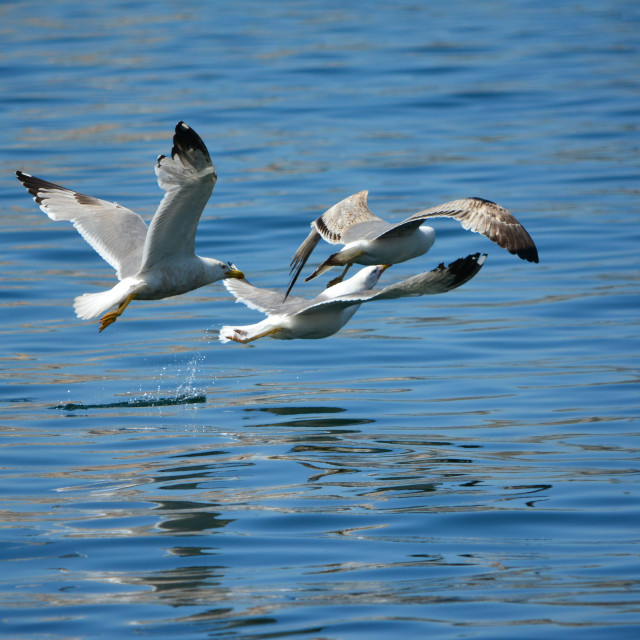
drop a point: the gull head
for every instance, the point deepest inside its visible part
(231, 271)
(364, 280)
(368, 277)
(215, 270)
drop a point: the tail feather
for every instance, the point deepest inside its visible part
(338, 259)
(245, 333)
(90, 305)
(224, 334)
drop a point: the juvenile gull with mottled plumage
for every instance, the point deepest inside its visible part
(370, 240)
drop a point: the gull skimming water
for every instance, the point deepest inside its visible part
(327, 313)
(152, 263)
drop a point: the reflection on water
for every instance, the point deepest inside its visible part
(286, 516)
(145, 401)
(373, 515)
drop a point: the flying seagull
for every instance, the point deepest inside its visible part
(327, 313)
(370, 240)
(152, 263)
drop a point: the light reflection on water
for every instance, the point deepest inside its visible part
(330, 500)
(459, 465)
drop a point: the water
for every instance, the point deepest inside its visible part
(458, 466)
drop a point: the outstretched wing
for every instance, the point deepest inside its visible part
(188, 177)
(438, 280)
(333, 225)
(265, 300)
(116, 233)
(481, 216)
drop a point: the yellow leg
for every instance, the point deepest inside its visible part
(112, 316)
(238, 333)
(339, 278)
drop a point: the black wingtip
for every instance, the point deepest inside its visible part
(464, 269)
(186, 139)
(530, 254)
(33, 185)
(24, 180)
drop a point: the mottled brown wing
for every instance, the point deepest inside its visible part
(484, 217)
(332, 226)
(334, 223)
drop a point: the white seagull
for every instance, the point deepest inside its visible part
(370, 240)
(333, 308)
(150, 263)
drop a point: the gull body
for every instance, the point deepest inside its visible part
(299, 318)
(385, 250)
(327, 313)
(152, 263)
(368, 239)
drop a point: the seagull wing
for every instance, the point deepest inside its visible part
(481, 216)
(188, 178)
(333, 225)
(116, 233)
(438, 280)
(265, 300)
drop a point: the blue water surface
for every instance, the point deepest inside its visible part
(454, 466)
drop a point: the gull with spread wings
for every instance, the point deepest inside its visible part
(327, 313)
(370, 240)
(152, 263)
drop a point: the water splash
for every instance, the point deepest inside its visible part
(186, 393)
(144, 401)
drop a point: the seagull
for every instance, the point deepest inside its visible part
(152, 263)
(370, 240)
(333, 308)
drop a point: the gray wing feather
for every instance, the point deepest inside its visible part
(265, 300)
(188, 178)
(482, 216)
(438, 280)
(116, 233)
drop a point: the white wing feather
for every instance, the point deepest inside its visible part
(188, 177)
(116, 233)
(265, 300)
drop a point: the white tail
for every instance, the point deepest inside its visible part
(224, 333)
(90, 305)
(246, 333)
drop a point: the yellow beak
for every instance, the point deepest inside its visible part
(234, 273)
